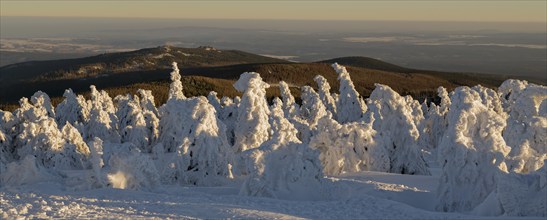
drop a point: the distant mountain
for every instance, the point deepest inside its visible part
(139, 60)
(206, 69)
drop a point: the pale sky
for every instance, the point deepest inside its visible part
(466, 10)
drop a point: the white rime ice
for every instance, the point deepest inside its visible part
(252, 127)
(396, 126)
(283, 167)
(472, 152)
(324, 92)
(350, 106)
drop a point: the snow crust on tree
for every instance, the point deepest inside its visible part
(252, 128)
(42, 99)
(214, 101)
(103, 122)
(312, 108)
(290, 107)
(526, 131)
(435, 123)
(472, 152)
(323, 88)
(350, 147)
(73, 109)
(283, 167)
(197, 142)
(350, 106)
(523, 194)
(175, 90)
(132, 123)
(228, 116)
(147, 102)
(395, 123)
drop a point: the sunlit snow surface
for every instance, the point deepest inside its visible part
(364, 195)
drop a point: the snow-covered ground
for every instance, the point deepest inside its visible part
(479, 152)
(363, 195)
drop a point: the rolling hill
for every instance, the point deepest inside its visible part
(205, 69)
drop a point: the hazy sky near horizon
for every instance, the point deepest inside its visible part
(466, 10)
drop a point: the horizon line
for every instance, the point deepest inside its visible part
(272, 19)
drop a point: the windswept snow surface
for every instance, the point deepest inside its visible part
(480, 152)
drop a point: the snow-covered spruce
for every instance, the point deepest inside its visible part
(283, 167)
(325, 95)
(472, 152)
(252, 127)
(175, 90)
(311, 111)
(103, 122)
(73, 109)
(350, 147)
(132, 124)
(526, 131)
(290, 107)
(435, 123)
(229, 115)
(395, 124)
(196, 143)
(350, 107)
